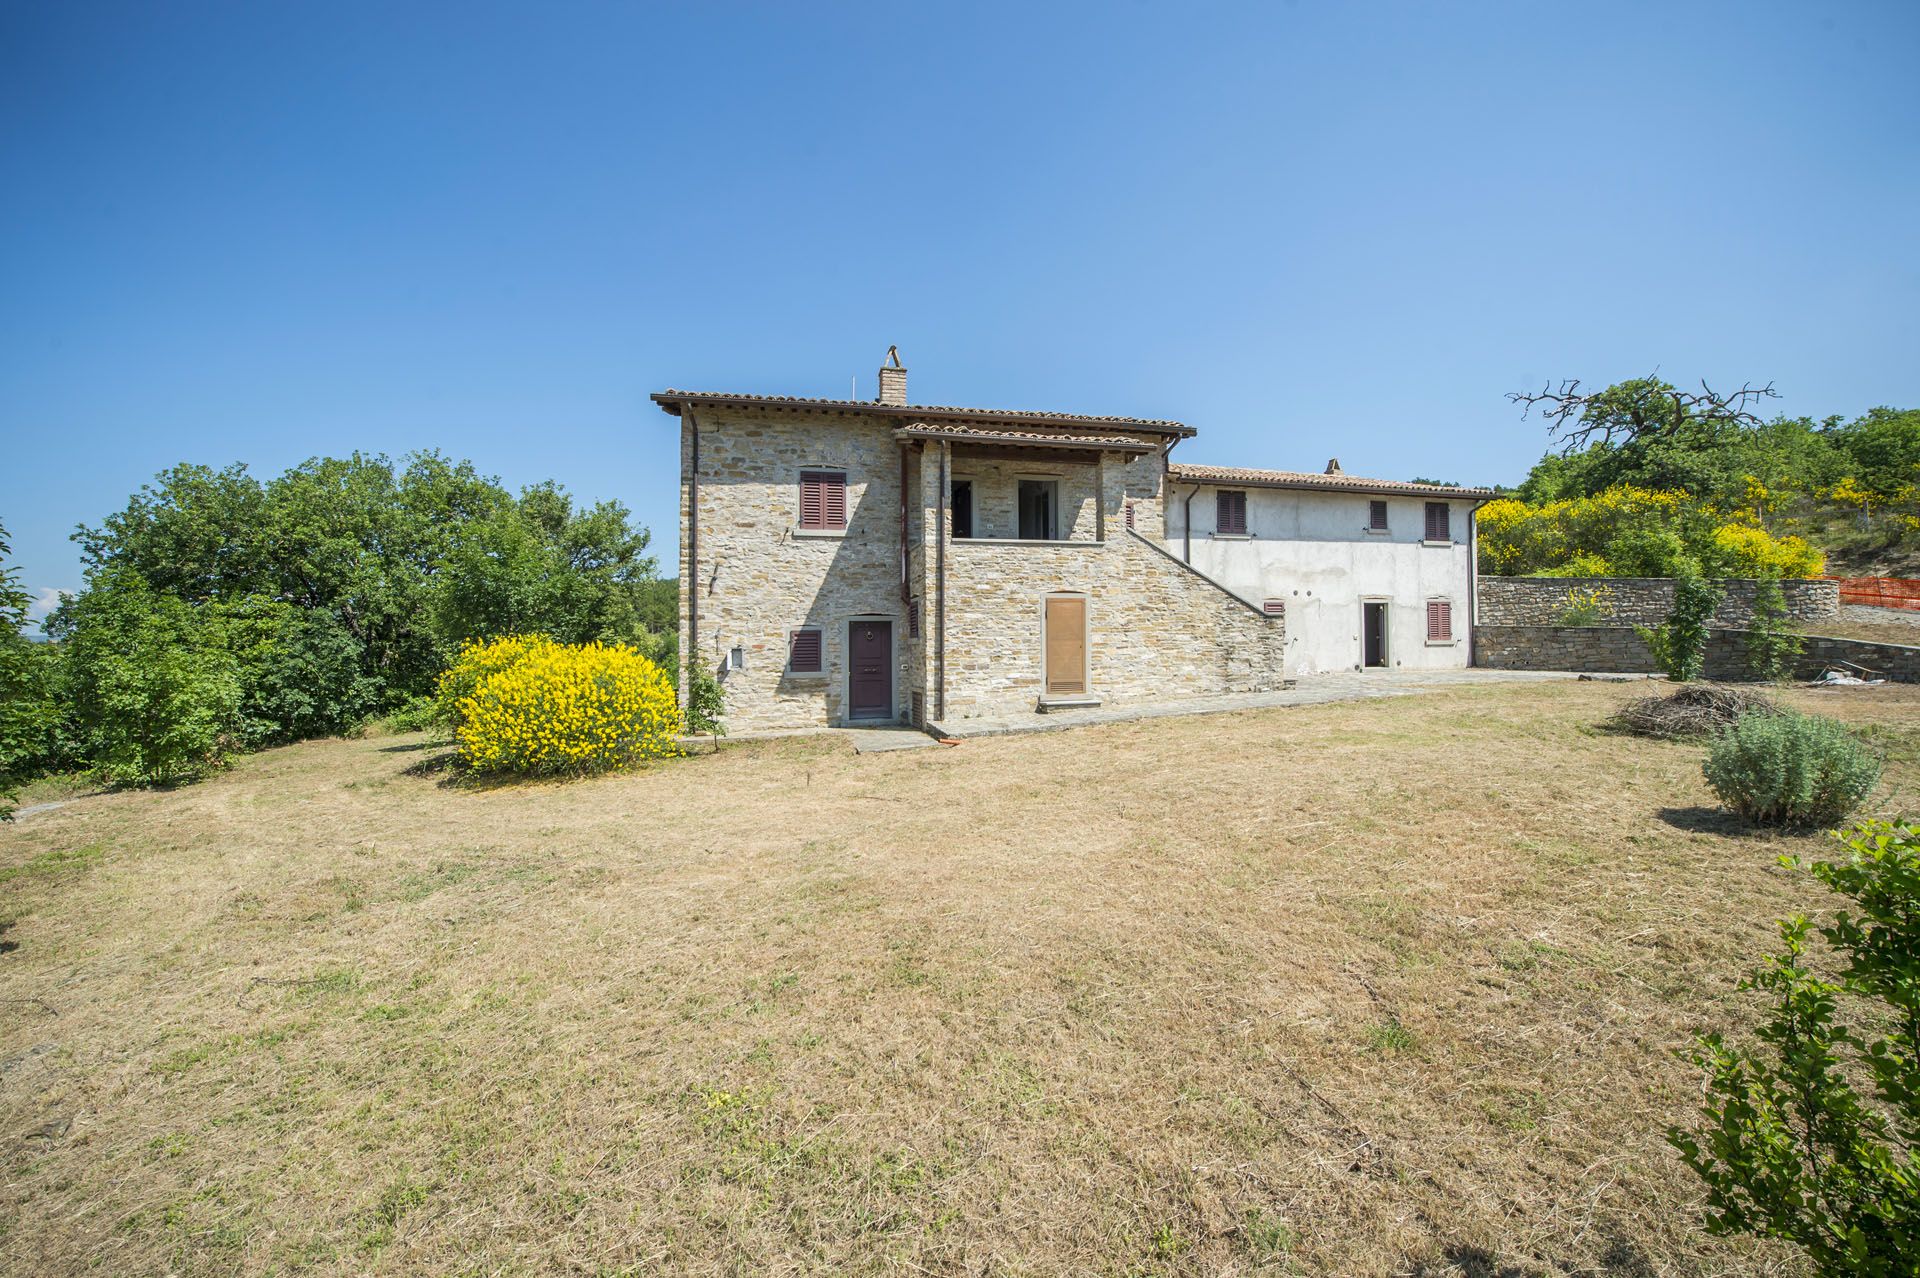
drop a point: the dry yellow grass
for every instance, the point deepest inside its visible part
(1379, 988)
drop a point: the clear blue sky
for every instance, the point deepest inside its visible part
(259, 232)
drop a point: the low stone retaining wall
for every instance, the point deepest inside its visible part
(1638, 601)
(1619, 650)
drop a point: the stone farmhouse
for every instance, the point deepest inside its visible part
(846, 562)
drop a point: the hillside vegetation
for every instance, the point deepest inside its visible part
(1646, 479)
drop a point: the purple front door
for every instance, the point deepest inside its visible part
(870, 656)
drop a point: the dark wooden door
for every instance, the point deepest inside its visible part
(870, 656)
(1066, 646)
(1375, 618)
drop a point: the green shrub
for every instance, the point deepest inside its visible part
(416, 714)
(1680, 646)
(1813, 1135)
(155, 691)
(1790, 769)
(1585, 607)
(1772, 647)
(706, 702)
(28, 710)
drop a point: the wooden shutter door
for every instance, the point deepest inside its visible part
(1066, 654)
(1438, 528)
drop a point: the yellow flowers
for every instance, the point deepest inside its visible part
(1752, 552)
(526, 704)
(1636, 532)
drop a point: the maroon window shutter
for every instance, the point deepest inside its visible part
(823, 499)
(1274, 607)
(803, 652)
(1377, 516)
(1230, 512)
(1129, 516)
(913, 618)
(836, 489)
(1438, 526)
(1439, 620)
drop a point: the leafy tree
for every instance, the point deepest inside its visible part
(1883, 450)
(27, 713)
(540, 564)
(1680, 646)
(156, 693)
(1813, 1134)
(343, 586)
(1772, 645)
(194, 533)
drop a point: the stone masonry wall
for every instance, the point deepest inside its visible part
(758, 575)
(1155, 628)
(1636, 601)
(1619, 650)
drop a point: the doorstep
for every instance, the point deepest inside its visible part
(1049, 705)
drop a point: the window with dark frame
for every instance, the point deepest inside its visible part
(1038, 510)
(1230, 512)
(804, 654)
(823, 500)
(1274, 607)
(1439, 621)
(913, 618)
(1439, 525)
(1376, 516)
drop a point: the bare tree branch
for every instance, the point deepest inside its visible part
(1646, 408)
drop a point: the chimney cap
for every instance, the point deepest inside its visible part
(893, 358)
(1333, 466)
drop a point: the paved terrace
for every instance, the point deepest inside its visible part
(1308, 690)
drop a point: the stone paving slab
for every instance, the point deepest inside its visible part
(1308, 690)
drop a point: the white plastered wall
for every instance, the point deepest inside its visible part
(1313, 550)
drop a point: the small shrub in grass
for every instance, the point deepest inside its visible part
(1790, 769)
(569, 709)
(1812, 1133)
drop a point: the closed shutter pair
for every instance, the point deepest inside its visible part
(823, 499)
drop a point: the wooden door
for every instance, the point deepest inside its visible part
(870, 662)
(1374, 616)
(1066, 645)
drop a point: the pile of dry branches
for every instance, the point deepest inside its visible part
(1697, 710)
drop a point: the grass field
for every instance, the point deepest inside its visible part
(1391, 987)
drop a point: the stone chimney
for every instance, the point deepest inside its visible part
(1333, 466)
(893, 378)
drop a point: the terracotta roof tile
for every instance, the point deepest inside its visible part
(1338, 482)
(962, 432)
(670, 400)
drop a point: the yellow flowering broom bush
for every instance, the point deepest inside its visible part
(566, 709)
(478, 660)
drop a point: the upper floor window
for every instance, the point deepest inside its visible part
(1230, 513)
(960, 506)
(823, 499)
(1439, 522)
(1376, 516)
(1039, 510)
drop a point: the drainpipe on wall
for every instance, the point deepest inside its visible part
(690, 582)
(1186, 520)
(906, 586)
(940, 613)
